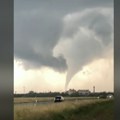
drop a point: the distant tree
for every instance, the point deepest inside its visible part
(31, 92)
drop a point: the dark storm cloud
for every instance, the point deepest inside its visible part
(38, 27)
(61, 6)
(94, 20)
(87, 35)
(36, 34)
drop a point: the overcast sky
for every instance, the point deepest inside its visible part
(63, 44)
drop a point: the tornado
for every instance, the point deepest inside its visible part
(92, 37)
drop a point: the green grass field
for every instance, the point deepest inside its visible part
(67, 110)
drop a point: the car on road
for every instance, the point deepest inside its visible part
(58, 99)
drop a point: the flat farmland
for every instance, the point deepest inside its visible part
(46, 99)
(70, 109)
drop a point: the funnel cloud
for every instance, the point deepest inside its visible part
(87, 36)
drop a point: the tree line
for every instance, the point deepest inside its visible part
(64, 94)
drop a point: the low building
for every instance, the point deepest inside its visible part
(71, 91)
(83, 92)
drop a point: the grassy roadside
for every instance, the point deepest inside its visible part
(32, 99)
(45, 99)
(79, 110)
(95, 111)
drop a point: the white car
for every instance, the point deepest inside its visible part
(58, 99)
(110, 96)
